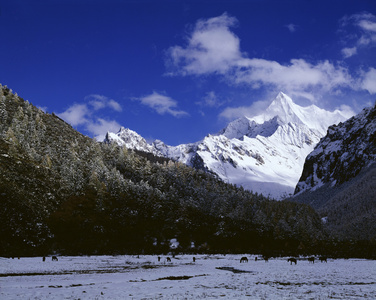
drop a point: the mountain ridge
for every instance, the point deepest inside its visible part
(264, 153)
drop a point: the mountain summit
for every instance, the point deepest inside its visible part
(264, 153)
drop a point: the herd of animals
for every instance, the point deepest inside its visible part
(291, 260)
(244, 259)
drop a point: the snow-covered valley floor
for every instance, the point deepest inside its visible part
(210, 277)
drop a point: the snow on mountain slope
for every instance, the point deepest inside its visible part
(130, 139)
(264, 153)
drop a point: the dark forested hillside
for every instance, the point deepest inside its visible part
(349, 209)
(62, 191)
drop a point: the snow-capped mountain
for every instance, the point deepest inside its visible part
(130, 139)
(342, 154)
(264, 153)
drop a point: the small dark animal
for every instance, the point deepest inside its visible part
(323, 258)
(292, 260)
(168, 259)
(44, 258)
(311, 260)
(256, 258)
(243, 259)
(54, 258)
(266, 258)
(194, 259)
(159, 258)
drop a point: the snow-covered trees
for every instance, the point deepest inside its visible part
(126, 200)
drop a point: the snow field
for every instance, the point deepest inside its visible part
(210, 277)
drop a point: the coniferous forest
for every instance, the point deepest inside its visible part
(63, 192)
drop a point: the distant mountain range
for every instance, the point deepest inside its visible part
(264, 153)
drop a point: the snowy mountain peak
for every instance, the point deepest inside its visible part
(264, 153)
(283, 102)
(130, 139)
(284, 108)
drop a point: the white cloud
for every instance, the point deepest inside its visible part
(368, 25)
(365, 30)
(99, 102)
(161, 104)
(348, 52)
(369, 81)
(76, 114)
(114, 105)
(213, 49)
(298, 75)
(100, 127)
(84, 114)
(291, 27)
(346, 111)
(231, 113)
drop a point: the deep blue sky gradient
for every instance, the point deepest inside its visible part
(57, 53)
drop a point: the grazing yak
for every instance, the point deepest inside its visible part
(323, 258)
(54, 258)
(292, 260)
(243, 259)
(311, 260)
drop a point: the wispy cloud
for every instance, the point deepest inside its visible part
(369, 81)
(359, 31)
(210, 100)
(77, 114)
(162, 104)
(86, 115)
(291, 27)
(100, 102)
(257, 107)
(99, 127)
(348, 52)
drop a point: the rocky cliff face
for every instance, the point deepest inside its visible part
(339, 178)
(342, 154)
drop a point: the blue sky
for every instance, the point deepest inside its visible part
(179, 70)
